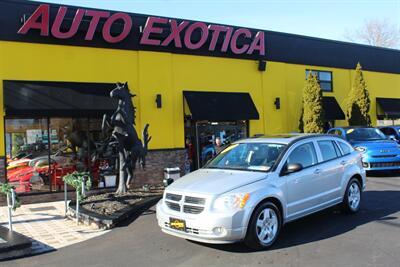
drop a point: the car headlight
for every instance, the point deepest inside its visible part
(234, 201)
(360, 149)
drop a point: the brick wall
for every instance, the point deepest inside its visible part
(2, 169)
(156, 161)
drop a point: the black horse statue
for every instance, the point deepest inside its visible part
(130, 148)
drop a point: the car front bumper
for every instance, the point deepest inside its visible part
(207, 227)
(381, 164)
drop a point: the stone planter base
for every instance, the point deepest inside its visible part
(103, 222)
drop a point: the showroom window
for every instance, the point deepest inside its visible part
(37, 160)
(325, 79)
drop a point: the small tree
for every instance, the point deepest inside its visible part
(376, 32)
(313, 112)
(358, 102)
(7, 190)
(78, 180)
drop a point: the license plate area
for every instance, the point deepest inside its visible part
(177, 224)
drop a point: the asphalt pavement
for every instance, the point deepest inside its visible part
(328, 238)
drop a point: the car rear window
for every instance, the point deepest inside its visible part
(345, 148)
(328, 150)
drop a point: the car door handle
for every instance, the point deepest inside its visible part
(317, 171)
(343, 162)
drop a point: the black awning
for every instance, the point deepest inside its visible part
(332, 109)
(388, 108)
(64, 99)
(221, 106)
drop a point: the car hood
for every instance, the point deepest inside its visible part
(376, 145)
(22, 174)
(215, 181)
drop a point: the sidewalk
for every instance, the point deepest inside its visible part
(45, 224)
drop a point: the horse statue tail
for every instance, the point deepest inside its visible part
(146, 139)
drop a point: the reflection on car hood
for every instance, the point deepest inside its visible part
(215, 181)
(373, 145)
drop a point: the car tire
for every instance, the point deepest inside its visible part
(266, 221)
(352, 197)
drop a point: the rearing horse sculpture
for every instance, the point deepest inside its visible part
(130, 147)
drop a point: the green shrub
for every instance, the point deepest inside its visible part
(358, 102)
(6, 189)
(75, 180)
(313, 112)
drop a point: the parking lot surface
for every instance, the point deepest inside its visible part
(329, 238)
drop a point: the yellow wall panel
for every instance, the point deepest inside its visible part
(152, 73)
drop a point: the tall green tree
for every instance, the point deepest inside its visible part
(313, 112)
(358, 102)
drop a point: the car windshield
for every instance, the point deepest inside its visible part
(247, 156)
(364, 134)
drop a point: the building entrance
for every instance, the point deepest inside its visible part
(204, 139)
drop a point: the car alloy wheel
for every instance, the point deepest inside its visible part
(354, 196)
(267, 226)
(264, 226)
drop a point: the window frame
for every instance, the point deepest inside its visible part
(299, 145)
(335, 149)
(323, 81)
(341, 149)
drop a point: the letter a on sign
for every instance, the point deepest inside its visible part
(33, 22)
(258, 44)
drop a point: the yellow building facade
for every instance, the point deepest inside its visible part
(168, 73)
(150, 73)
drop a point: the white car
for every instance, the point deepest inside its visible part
(254, 186)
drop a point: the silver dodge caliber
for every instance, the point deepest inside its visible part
(254, 186)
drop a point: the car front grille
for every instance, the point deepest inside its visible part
(173, 206)
(173, 197)
(195, 200)
(192, 209)
(187, 230)
(190, 204)
(384, 156)
(383, 164)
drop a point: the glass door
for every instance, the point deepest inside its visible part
(209, 138)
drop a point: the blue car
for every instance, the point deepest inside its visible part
(392, 132)
(378, 152)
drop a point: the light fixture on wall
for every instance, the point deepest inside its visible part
(262, 65)
(158, 101)
(277, 103)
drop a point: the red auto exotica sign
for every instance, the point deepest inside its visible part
(238, 41)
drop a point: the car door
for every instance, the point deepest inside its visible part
(300, 186)
(332, 169)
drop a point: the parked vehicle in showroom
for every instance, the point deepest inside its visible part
(392, 132)
(378, 152)
(254, 186)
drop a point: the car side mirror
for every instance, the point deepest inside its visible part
(392, 137)
(291, 168)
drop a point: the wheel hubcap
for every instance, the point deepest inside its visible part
(354, 196)
(267, 225)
